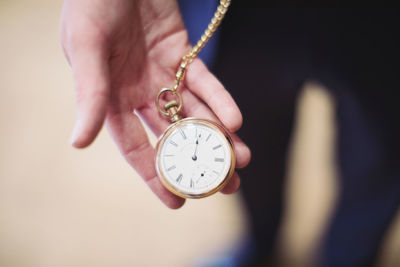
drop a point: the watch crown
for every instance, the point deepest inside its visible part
(172, 108)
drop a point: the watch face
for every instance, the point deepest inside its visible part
(195, 158)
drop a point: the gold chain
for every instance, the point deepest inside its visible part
(208, 33)
(189, 57)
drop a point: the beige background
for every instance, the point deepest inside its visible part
(64, 207)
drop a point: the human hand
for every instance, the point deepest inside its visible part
(121, 53)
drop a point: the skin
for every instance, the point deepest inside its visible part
(122, 52)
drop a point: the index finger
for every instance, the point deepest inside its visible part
(208, 88)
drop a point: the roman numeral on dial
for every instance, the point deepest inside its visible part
(182, 133)
(171, 168)
(173, 143)
(219, 160)
(216, 147)
(179, 179)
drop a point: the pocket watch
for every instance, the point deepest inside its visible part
(194, 157)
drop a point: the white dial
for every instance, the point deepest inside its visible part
(195, 157)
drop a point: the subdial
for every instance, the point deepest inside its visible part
(202, 173)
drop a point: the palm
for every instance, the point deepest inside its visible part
(130, 51)
(139, 72)
(143, 61)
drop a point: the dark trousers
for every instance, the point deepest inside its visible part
(264, 58)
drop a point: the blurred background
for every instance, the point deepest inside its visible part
(65, 207)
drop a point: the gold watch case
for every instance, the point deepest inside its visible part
(164, 136)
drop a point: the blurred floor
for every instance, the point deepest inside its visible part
(64, 207)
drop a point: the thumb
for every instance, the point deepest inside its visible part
(91, 76)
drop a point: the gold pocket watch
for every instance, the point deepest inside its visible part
(194, 157)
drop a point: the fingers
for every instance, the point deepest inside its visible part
(207, 87)
(233, 185)
(193, 107)
(243, 153)
(131, 139)
(91, 75)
